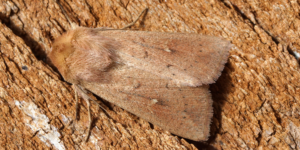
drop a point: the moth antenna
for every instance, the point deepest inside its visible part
(73, 24)
(132, 23)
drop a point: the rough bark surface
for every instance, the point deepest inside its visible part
(256, 105)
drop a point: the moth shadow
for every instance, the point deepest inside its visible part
(201, 145)
(36, 48)
(219, 91)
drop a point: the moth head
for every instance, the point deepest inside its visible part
(61, 49)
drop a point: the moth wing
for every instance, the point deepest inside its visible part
(184, 111)
(187, 59)
(144, 73)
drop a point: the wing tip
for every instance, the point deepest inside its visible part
(202, 132)
(224, 47)
(227, 47)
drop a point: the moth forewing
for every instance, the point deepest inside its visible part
(188, 59)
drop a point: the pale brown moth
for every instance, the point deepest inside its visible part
(160, 77)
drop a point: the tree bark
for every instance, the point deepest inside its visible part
(256, 105)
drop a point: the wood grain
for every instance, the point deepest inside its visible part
(255, 100)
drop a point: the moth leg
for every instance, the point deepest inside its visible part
(101, 107)
(76, 98)
(76, 106)
(83, 93)
(90, 120)
(132, 23)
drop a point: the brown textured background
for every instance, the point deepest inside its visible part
(256, 105)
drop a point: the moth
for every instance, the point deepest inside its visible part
(161, 77)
